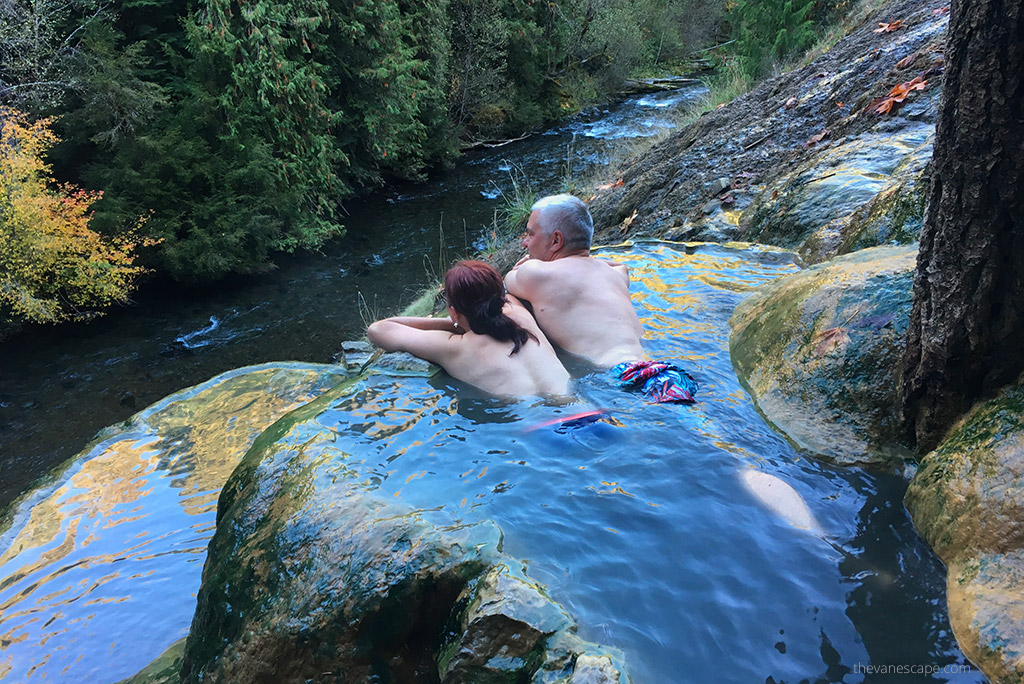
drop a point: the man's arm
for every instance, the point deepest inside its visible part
(522, 279)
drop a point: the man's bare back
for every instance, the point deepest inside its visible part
(582, 304)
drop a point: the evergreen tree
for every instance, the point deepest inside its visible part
(244, 164)
(770, 30)
(380, 81)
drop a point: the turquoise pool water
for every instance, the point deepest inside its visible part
(641, 524)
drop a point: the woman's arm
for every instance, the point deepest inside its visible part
(426, 323)
(402, 334)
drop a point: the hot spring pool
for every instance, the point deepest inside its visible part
(640, 524)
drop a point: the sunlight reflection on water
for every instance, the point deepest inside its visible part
(639, 524)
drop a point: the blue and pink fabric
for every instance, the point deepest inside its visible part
(660, 382)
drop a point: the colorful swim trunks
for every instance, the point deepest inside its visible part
(661, 382)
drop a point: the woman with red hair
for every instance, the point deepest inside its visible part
(488, 340)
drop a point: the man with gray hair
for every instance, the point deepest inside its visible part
(581, 303)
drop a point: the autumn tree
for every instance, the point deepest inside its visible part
(968, 315)
(52, 266)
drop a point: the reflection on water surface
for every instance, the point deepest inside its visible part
(640, 524)
(100, 568)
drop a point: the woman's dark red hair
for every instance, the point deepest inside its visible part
(475, 289)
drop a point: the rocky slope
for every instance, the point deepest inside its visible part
(803, 161)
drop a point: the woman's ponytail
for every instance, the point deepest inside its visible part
(476, 291)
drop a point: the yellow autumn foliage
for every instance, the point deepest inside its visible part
(52, 266)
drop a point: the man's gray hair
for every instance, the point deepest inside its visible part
(568, 215)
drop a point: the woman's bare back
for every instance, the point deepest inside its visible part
(484, 362)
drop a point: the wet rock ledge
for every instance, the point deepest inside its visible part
(313, 576)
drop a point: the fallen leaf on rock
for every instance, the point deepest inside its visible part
(790, 103)
(940, 12)
(889, 26)
(816, 138)
(609, 186)
(831, 339)
(591, 199)
(884, 105)
(840, 104)
(880, 105)
(903, 89)
(727, 199)
(875, 322)
(628, 221)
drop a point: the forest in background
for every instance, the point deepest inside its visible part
(200, 140)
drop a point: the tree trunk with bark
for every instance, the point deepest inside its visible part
(965, 338)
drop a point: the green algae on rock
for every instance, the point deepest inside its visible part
(314, 576)
(166, 669)
(967, 500)
(819, 351)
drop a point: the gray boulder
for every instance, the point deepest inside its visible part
(820, 352)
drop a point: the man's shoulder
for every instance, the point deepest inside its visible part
(575, 268)
(603, 267)
(535, 270)
(571, 267)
